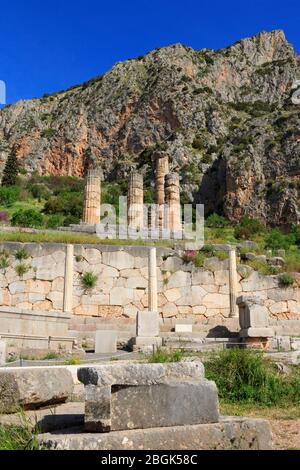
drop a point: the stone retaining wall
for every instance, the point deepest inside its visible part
(185, 292)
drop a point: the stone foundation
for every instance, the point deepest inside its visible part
(229, 434)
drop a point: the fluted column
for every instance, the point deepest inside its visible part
(162, 169)
(136, 202)
(92, 198)
(172, 195)
(233, 283)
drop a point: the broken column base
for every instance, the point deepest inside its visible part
(231, 433)
(146, 344)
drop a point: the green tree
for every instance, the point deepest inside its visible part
(11, 170)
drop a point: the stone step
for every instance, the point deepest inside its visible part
(231, 433)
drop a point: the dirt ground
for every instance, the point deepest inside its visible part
(285, 422)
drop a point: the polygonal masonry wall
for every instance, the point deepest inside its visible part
(200, 294)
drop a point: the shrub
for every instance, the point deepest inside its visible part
(48, 133)
(89, 280)
(248, 227)
(295, 232)
(71, 219)
(263, 268)
(21, 254)
(67, 203)
(9, 195)
(55, 221)
(197, 143)
(4, 263)
(216, 221)
(277, 240)
(243, 375)
(21, 269)
(286, 280)
(27, 218)
(199, 260)
(39, 191)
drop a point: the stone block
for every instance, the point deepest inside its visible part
(179, 279)
(183, 328)
(256, 333)
(163, 405)
(121, 296)
(2, 352)
(147, 324)
(252, 313)
(31, 388)
(17, 287)
(106, 342)
(216, 301)
(231, 433)
(118, 259)
(142, 396)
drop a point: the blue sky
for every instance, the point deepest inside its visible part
(50, 45)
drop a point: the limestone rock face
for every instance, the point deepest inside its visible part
(223, 119)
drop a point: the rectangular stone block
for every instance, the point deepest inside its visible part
(256, 333)
(147, 323)
(148, 406)
(231, 433)
(141, 396)
(252, 313)
(106, 342)
(183, 328)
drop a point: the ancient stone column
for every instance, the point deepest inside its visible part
(152, 288)
(161, 170)
(233, 284)
(136, 202)
(172, 198)
(92, 198)
(68, 286)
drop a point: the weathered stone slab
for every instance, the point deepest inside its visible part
(180, 328)
(163, 405)
(139, 374)
(230, 434)
(31, 388)
(106, 341)
(147, 324)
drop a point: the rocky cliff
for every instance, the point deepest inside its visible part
(225, 118)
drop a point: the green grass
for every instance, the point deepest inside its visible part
(245, 376)
(21, 437)
(23, 205)
(162, 356)
(89, 280)
(72, 238)
(51, 355)
(74, 361)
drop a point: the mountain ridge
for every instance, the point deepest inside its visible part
(224, 118)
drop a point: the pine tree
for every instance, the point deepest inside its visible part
(11, 170)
